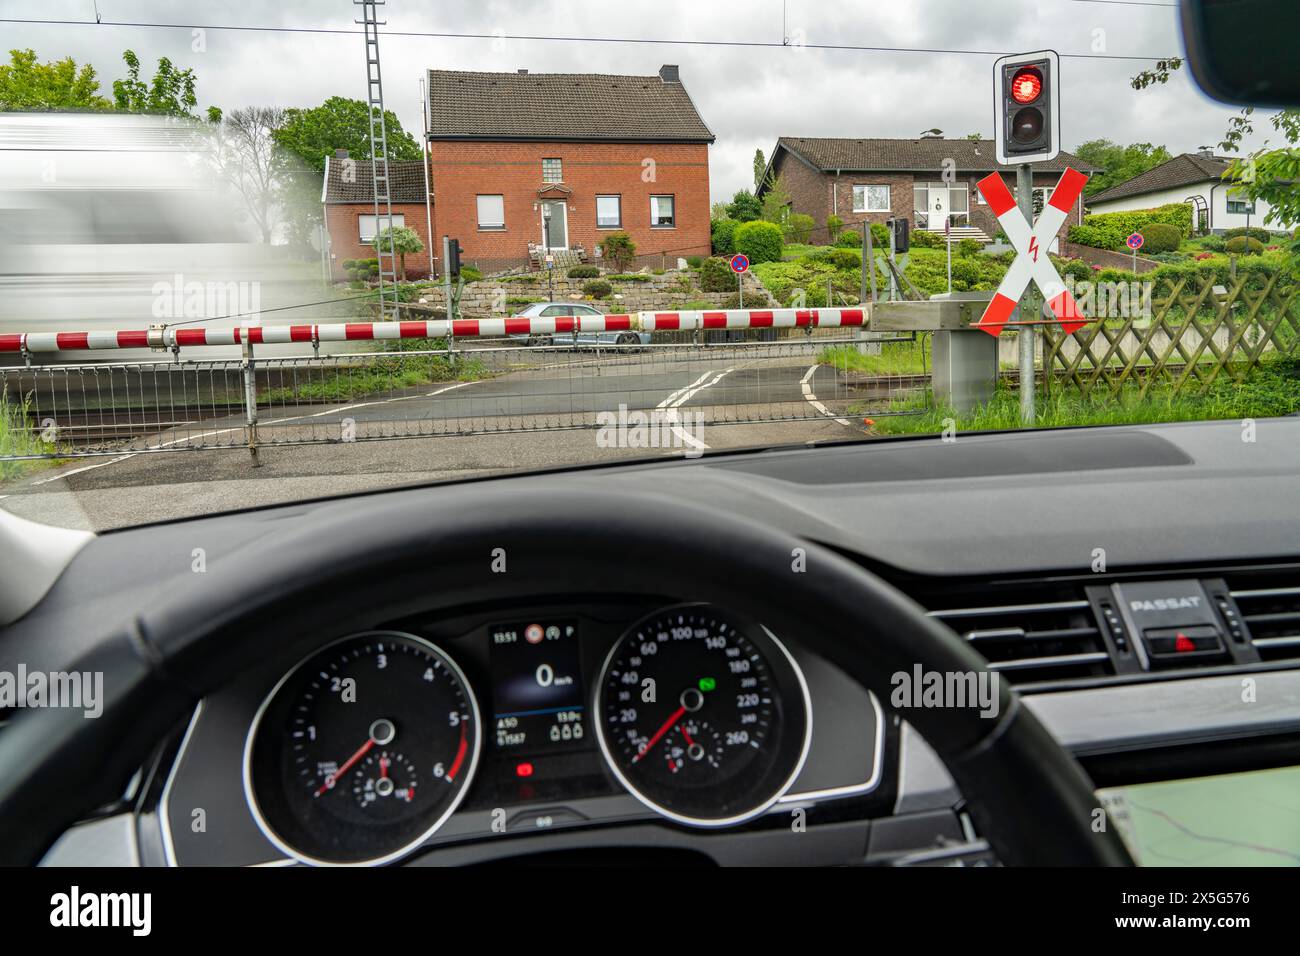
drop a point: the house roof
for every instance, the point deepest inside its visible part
(1184, 170)
(924, 155)
(355, 183)
(573, 107)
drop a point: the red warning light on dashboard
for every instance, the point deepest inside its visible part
(533, 633)
(523, 769)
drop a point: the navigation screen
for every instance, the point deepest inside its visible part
(537, 695)
(1239, 819)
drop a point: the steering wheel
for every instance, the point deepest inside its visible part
(331, 567)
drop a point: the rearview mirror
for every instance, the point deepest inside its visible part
(1243, 51)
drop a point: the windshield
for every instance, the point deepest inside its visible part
(241, 268)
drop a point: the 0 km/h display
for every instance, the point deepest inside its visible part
(703, 717)
(363, 750)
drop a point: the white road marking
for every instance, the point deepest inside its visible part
(77, 471)
(812, 399)
(675, 400)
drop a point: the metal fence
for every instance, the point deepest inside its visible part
(669, 389)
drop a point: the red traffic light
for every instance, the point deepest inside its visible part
(1026, 85)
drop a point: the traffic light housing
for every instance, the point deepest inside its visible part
(901, 229)
(453, 258)
(1027, 102)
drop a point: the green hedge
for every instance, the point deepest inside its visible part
(597, 288)
(760, 241)
(1108, 230)
(584, 272)
(723, 232)
(1254, 232)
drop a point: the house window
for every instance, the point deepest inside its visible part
(609, 212)
(871, 199)
(552, 171)
(1041, 196)
(491, 212)
(662, 212)
(1239, 206)
(366, 225)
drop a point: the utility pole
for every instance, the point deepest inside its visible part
(1030, 309)
(387, 257)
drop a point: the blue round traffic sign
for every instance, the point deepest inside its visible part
(1135, 241)
(739, 263)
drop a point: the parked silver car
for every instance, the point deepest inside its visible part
(576, 339)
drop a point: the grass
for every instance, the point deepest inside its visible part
(18, 438)
(895, 358)
(386, 375)
(1273, 389)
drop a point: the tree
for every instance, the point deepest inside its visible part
(169, 93)
(1268, 174)
(776, 201)
(341, 123)
(744, 207)
(1118, 163)
(245, 156)
(760, 167)
(404, 240)
(57, 85)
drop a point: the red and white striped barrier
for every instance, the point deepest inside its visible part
(187, 337)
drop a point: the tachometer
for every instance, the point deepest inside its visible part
(704, 717)
(362, 751)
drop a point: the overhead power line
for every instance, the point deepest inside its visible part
(542, 38)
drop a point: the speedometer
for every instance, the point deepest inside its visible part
(362, 751)
(704, 717)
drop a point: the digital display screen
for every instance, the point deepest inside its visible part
(1238, 819)
(539, 704)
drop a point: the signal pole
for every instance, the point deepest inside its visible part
(1031, 306)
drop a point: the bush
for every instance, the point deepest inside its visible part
(969, 247)
(693, 262)
(1214, 243)
(619, 249)
(470, 274)
(1077, 268)
(833, 226)
(597, 288)
(1244, 245)
(723, 232)
(583, 272)
(760, 241)
(799, 227)
(925, 240)
(849, 239)
(1108, 230)
(1263, 236)
(843, 258)
(631, 276)
(716, 275)
(1160, 237)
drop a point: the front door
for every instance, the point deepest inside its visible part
(938, 206)
(555, 224)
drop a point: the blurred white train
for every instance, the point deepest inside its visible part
(116, 221)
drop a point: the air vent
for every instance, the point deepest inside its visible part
(1058, 640)
(1272, 617)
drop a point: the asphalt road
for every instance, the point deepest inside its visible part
(524, 420)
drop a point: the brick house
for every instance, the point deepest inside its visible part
(876, 179)
(348, 198)
(528, 163)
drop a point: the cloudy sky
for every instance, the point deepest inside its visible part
(747, 95)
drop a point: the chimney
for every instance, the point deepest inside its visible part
(521, 71)
(340, 154)
(669, 73)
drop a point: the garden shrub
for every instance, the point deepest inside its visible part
(619, 249)
(759, 241)
(716, 275)
(1244, 245)
(1160, 237)
(597, 288)
(584, 272)
(1263, 236)
(799, 227)
(723, 233)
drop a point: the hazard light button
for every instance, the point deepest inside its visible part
(1167, 644)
